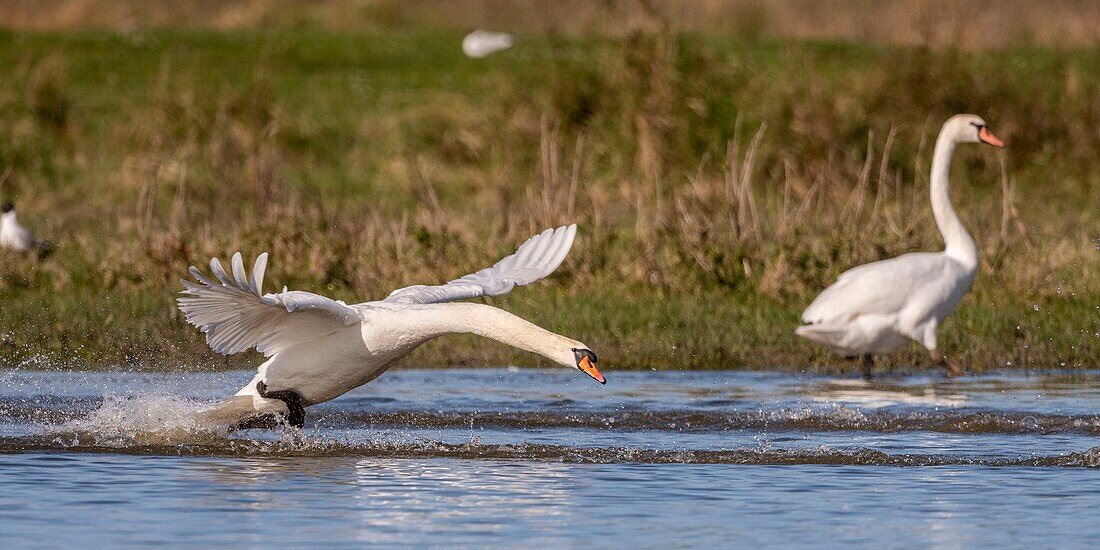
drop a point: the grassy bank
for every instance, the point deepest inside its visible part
(719, 184)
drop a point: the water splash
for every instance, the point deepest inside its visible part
(123, 421)
(690, 422)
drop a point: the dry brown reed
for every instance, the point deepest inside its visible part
(716, 191)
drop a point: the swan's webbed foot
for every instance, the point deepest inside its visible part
(941, 360)
(296, 415)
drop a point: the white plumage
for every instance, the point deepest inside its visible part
(878, 307)
(536, 258)
(14, 236)
(480, 43)
(236, 316)
(320, 348)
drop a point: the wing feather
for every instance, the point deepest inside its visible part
(881, 287)
(536, 258)
(236, 316)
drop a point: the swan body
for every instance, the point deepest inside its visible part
(878, 307)
(480, 43)
(318, 348)
(14, 236)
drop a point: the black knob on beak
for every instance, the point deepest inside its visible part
(582, 353)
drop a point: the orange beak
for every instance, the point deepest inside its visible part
(987, 137)
(586, 365)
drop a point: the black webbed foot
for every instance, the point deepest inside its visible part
(296, 415)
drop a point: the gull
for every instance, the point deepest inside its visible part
(16, 237)
(480, 43)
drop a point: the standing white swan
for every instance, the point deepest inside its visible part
(319, 348)
(877, 307)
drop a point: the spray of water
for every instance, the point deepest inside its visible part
(151, 419)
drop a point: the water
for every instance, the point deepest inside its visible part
(513, 457)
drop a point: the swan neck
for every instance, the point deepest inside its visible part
(960, 244)
(499, 325)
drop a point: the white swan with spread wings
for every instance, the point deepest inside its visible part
(319, 349)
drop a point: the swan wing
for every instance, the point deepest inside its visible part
(536, 258)
(882, 287)
(236, 316)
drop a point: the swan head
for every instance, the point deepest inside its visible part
(971, 129)
(585, 361)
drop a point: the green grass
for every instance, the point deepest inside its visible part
(368, 161)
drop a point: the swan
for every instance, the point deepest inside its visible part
(876, 308)
(480, 43)
(318, 349)
(16, 237)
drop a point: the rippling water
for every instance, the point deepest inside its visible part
(542, 456)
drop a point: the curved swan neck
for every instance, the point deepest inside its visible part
(960, 245)
(496, 324)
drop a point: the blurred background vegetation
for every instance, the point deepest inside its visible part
(725, 160)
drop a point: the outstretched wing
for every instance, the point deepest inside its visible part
(533, 260)
(235, 315)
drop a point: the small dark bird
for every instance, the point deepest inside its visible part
(16, 237)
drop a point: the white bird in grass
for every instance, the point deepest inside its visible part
(16, 237)
(319, 348)
(480, 43)
(876, 308)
